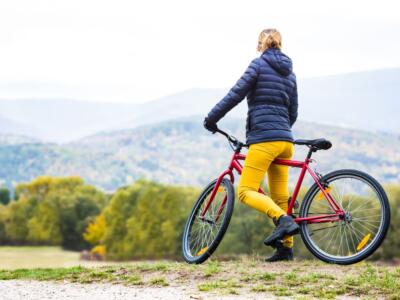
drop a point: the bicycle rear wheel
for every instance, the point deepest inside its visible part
(360, 231)
(202, 235)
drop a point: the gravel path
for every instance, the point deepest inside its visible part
(32, 290)
(45, 290)
(236, 280)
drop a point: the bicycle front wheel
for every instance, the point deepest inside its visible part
(202, 234)
(360, 231)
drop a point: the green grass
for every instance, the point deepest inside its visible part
(219, 284)
(134, 280)
(259, 288)
(42, 274)
(151, 267)
(278, 290)
(159, 281)
(213, 267)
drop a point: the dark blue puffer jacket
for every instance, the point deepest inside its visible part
(271, 90)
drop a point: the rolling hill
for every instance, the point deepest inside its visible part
(182, 152)
(62, 120)
(8, 126)
(364, 100)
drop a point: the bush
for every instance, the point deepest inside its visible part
(145, 220)
(391, 245)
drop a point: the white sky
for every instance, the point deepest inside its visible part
(135, 51)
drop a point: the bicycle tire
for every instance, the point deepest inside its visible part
(378, 239)
(188, 257)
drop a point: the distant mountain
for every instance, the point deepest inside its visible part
(15, 139)
(182, 152)
(62, 120)
(365, 100)
(180, 105)
(9, 126)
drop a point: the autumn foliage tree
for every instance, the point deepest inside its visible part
(144, 220)
(51, 211)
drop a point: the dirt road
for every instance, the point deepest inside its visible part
(41, 290)
(246, 278)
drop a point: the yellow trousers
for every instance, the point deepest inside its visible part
(257, 163)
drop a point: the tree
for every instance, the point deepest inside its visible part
(4, 196)
(120, 208)
(17, 215)
(3, 235)
(146, 220)
(95, 231)
(391, 245)
(44, 227)
(76, 212)
(53, 211)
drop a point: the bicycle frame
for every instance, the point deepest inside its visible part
(304, 166)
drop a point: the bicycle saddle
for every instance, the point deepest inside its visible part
(320, 144)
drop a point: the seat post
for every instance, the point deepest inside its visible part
(310, 152)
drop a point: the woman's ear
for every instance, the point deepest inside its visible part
(261, 42)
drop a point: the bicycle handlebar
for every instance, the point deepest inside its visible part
(231, 138)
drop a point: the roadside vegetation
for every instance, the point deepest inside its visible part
(142, 221)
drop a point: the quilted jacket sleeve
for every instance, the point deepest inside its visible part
(236, 94)
(293, 107)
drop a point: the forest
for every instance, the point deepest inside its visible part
(144, 220)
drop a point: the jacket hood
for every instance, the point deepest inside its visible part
(279, 61)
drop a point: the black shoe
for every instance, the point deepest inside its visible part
(286, 226)
(281, 253)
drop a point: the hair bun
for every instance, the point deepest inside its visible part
(269, 38)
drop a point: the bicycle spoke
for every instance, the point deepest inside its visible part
(357, 233)
(347, 239)
(333, 237)
(361, 206)
(369, 229)
(368, 218)
(352, 237)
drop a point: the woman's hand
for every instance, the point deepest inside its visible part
(210, 126)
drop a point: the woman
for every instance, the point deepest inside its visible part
(271, 90)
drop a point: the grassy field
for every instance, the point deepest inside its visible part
(244, 276)
(39, 257)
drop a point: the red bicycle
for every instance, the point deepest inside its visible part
(344, 216)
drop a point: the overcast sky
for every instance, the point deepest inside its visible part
(135, 51)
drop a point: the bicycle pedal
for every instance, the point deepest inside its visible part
(296, 203)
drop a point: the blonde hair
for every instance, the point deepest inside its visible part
(269, 38)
